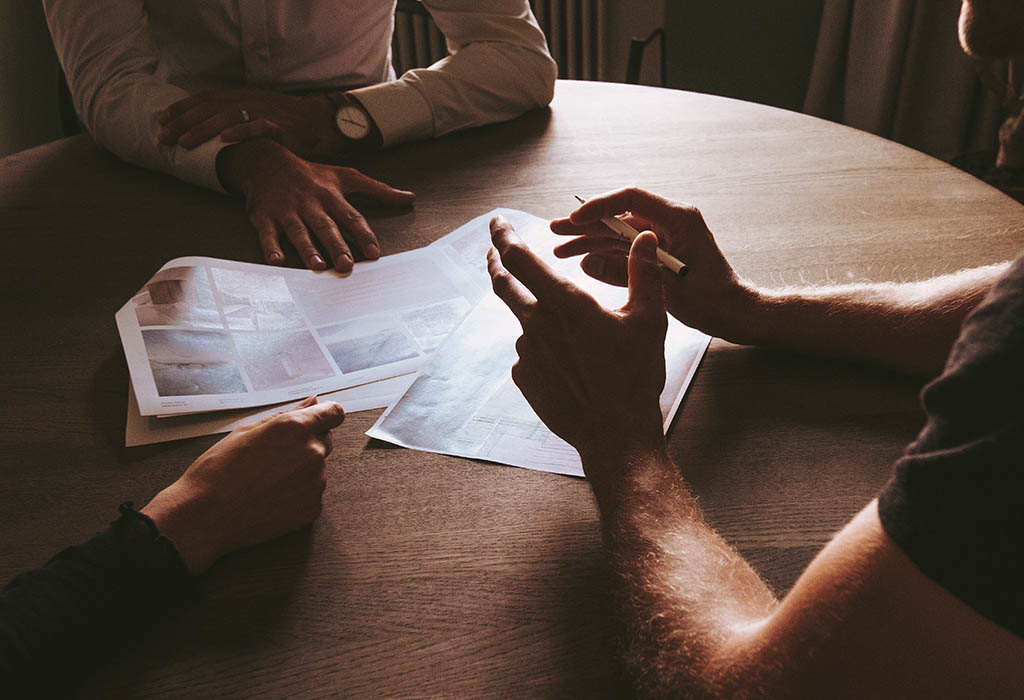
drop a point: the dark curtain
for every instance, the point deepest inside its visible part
(895, 68)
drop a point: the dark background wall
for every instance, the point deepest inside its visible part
(758, 51)
(28, 77)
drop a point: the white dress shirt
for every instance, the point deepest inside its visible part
(126, 60)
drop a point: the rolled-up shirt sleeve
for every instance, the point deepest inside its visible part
(117, 83)
(499, 67)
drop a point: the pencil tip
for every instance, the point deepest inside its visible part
(580, 199)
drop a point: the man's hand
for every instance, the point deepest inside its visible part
(303, 125)
(592, 375)
(259, 482)
(287, 196)
(710, 298)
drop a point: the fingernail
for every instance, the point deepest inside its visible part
(275, 257)
(316, 262)
(372, 251)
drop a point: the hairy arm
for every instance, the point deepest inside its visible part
(909, 327)
(683, 595)
(862, 621)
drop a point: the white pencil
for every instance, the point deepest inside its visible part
(629, 233)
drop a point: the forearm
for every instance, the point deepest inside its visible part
(909, 327)
(684, 596)
(499, 68)
(112, 67)
(58, 622)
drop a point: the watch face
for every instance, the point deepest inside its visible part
(353, 122)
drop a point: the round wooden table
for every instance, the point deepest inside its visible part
(432, 576)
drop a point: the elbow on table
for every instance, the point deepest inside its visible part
(544, 86)
(535, 73)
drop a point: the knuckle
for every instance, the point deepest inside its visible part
(521, 345)
(294, 228)
(351, 216)
(322, 225)
(322, 192)
(501, 281)
(318, 450)
(517, 374)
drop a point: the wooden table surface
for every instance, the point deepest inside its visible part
(432, 576)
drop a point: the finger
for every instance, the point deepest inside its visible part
(203, 132)
(355, 181)
(297, 233)
(308, 401)
(269, 241)
(645, 290)
(588, 244)
(258, 128)
(172, 131)
(508, 288)
(610, 269)
(183, 105)
(525, 266)
(328, 443)
(630, 199)
(322, 417)
(565, 227)
(353, 225)
(326, 231)
(597, 229)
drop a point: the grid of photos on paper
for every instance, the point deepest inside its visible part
(223, 331)
(213, 330)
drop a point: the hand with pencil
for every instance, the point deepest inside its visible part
(593, 375)
(708, 295)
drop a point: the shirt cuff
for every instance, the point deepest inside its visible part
(399, 109)
(197, 165)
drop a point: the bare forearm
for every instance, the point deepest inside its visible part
(685, 597)
(909, 327)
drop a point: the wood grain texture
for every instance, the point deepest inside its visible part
(430, 576)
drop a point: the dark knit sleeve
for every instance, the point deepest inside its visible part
(955, 502)
(58, 622)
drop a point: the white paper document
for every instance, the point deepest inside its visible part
(146, 430)
(208, 335)
(463, 401)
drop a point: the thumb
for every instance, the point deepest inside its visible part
(381, 192)
(645, 291)
(322, 417)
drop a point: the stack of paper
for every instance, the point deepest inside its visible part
(213, 344)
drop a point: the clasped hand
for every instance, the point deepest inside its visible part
(302, 124)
